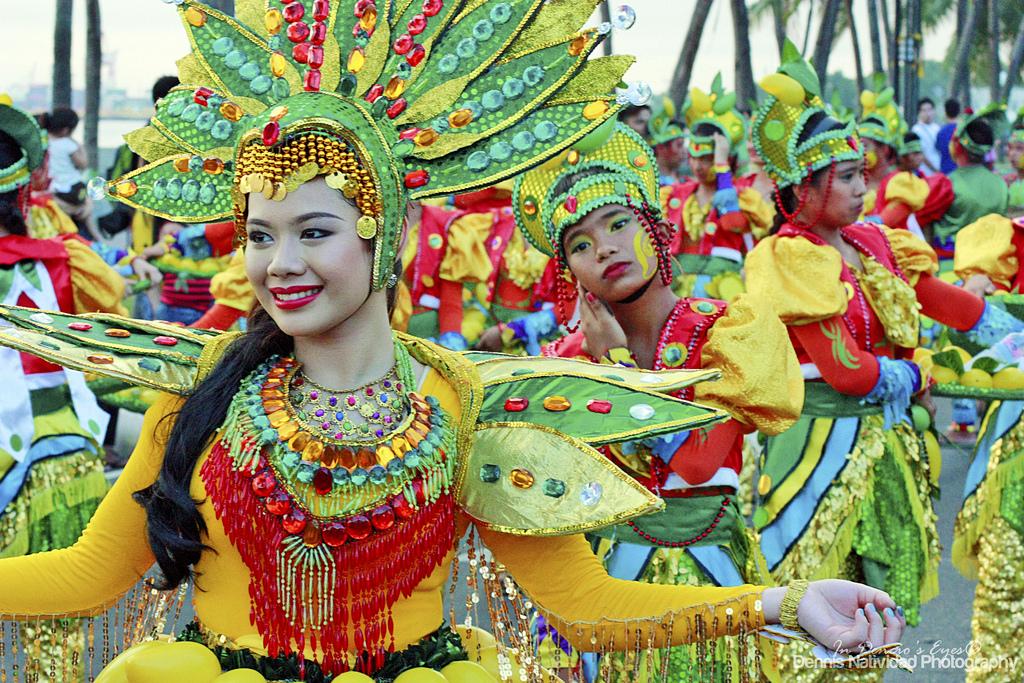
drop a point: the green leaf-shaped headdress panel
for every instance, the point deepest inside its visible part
(717, 108)
(391, 100)
(778, 125)
(24, 130)
(994, 114)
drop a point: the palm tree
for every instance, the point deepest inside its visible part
(93, 77)
(877, 65)
(993, 47)
(963, 51)
(688, 55)
(823, 45)
(1016, 62)
(848, 6)
(606, 16)
(746, 93)
(61, 95)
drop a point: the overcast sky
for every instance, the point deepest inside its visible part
(144, 38)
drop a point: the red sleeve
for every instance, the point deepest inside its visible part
(950, 305)
(219, 317)
(940, 197)
(847, 368)
(221, 237)
(895, 215)
(705, 452)
(449, 316)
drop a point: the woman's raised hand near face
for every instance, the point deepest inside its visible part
(601, 329)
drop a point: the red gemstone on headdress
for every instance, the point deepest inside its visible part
(322, 481)
(294, 12)
(432, 7)
(383, 518)
(321, 10)
(409, 133)
(298, 32)
(202, 96)
(271, 132)
(301, 52)
(361, 6)
(417, 24)
(319, 34)
(359, 527)
(516, 404)
(294, 522)
(416, 179)
(598, 406)
(401, 506)
(416, 55)
(278, 503)
(312, 80)
(571, 204)
(80, 327)
(165, 341)
(334, 534)
(375, 91)
(403, 44)
(397, 107)
(316, 57)
(263, 484)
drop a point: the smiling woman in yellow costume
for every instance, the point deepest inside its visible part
(320, 523)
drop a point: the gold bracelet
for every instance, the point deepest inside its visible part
(791, 603)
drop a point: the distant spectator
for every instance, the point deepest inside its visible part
(946, 163)
(67, 161)
(927, 130)
(636, 117)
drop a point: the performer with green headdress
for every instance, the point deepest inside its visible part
(1015, 156)
(598, 217)
(321, 523)
(719, 216)
(847, 490)
(667, 137)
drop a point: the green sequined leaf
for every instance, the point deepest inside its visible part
(194, 196)
(194, 127)
(149, 143)
(555, 19)
(601, 75)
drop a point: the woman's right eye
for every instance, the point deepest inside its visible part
(258, 237)
(578, 247)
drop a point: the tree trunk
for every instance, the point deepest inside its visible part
(807, 29)
(859, 66)
(779, 19)
(823, 44)
(1016, 62)
(93, 78)
(61, 95)
(963, 50)
(890, 41)
(877, 65)
(993, 48)
(225, 6)
(963, 81)
(687, 56)
(606, 15)
(746, 93)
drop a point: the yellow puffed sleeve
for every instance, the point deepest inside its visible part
(401, 311)
(908, 189)
(96, 287)
(869, 203)
(760, 214)
(985, 247)
(798, 278)
(231, 287)
(914, 257)
(761, 384)
(466, 258)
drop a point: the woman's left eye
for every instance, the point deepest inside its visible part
(314, 233)
(618, 225)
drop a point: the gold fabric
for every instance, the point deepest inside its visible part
(870, 200)
(907, 188)
(231, 287)
(466, 259)
(761, 384)
(913, 256)
(402, 309)
(985, 247)
(760, 214)
(524, 264)
(695, 217)
(142, 231)
(798, 278)
(893, 300)
(96, 286)
(48, 221)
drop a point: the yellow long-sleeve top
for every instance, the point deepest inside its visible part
(561, 574)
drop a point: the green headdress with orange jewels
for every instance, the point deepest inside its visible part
(24, 130)
(390, 100)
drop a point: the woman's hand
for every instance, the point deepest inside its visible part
(843, 616)
(144, 270)
(721, 149)
(600, 328)
(979, 285)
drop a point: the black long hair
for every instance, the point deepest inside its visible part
(175, 526)
(11, 217)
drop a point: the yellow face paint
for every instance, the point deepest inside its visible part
(870, 159)
(645, 255)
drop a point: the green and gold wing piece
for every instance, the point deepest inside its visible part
(438, 96)
(156, 355)
(534, 469)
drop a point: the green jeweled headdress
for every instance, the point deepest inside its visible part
(662, 126)
(716, 107)
(994, 115)
(911, 144)
(415, 98)
(881, 120)
(1017, 130)
(26, 132)
(607, 166)
(794, 100)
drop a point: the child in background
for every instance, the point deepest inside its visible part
(67, 161)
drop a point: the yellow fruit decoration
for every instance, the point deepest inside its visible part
(700, 100)
(179, 661)
(785, 88)
(114, 672)
(241, 676)
(1008, 379)
(944, 375)
(964, 356)
(467, 672)
(352, 677)
(921, 355)
(931, 445)
(978, 379)
(867, 100)
(421, 675)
